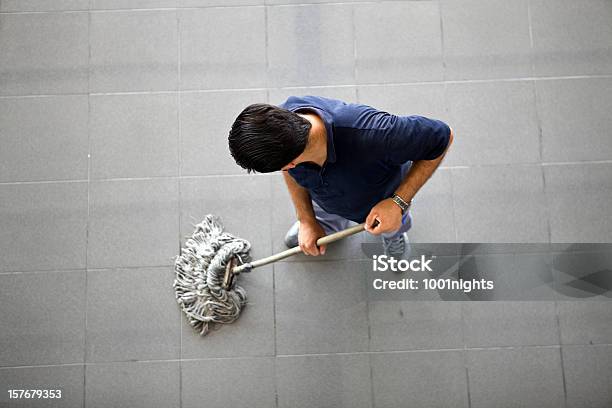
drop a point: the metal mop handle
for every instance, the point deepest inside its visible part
(296, 250)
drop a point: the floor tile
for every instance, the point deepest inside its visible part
(320, 307)
(149, 325)
(256, 323)
(495, 324)
(578, 197)
(571, 38)
(43, 53)
(310, 45)
(135, 384)
(484, 117)
(588, 376)
(519, 275)
(281, 2)
(241, 202)
(408, 55)
(414, 325)
(484, 40)
(423, 99)
(500, 204)
(44, 317)
(527, 377)
(67, 379)
(134, 135)
(43, 138)
(422, 379)
(217, 55)
(582, 271)
(584, 322)
(43, 226)
(324, 381)
(256, 382)
(133, 223)
(432, 215)
(130, 4)
(347, 94)
(575, 119)
(147, 62)
(43, 5)
(211, 3)
(206, 120)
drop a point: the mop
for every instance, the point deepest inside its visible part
(207, 269)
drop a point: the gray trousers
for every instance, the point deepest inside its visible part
(333, 223)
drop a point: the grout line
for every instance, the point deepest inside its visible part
(91, 269)
(531, 42)
(137, 9)
(367, 300)
(87, 225)
(473, 166)
(563, 377)
(556, 304)
(548, 346)
(547, 206)
(274, 308)
(97, 363)
(271, 240)
(372, 399)
(275, 344)
(450, 168)
(43, 365)
(354, 28)
(42, 271)
(8, 183)
(467, 381)
(465, 353)
(534, 88)
(453, 203)
(8, 13)
(371, 84)
(179, 172)
(576, 162)
(267, 48)
(442, 45)
(538, 116)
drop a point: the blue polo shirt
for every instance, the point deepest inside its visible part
(366, 148)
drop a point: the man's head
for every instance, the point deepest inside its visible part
(265, 138)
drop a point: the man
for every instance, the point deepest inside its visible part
(341, 162)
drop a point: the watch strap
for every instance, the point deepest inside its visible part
(401, 203)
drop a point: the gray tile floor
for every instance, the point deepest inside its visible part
(113, 116)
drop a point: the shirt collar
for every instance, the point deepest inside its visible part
(329, 126)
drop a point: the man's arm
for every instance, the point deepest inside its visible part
(310, 229)
(419, 173)
(389, 213)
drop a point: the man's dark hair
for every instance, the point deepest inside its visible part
(265, 138)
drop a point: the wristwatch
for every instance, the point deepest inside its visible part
(401, 203)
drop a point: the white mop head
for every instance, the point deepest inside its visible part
(199, 275)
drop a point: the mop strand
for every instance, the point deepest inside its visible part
(199, 276)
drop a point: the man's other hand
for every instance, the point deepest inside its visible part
(389, 216)
(309, 233)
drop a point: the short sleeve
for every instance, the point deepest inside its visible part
(410, 138)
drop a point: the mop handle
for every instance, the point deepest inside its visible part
(296, 250)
